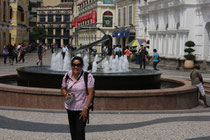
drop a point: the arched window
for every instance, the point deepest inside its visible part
(107, 19)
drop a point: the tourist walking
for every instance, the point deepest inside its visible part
(197, 80)
(64, 50)
(45, 48)
(143, 57)
(52, 47)
(155, 58)
(22, 54)
(5, 53)
(15, 54)
(40, 54)
(10, 49)
(75, 89)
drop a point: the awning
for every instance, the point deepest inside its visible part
(114, 34)
(127, 33)
(121, 33)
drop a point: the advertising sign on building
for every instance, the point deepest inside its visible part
(108, 2)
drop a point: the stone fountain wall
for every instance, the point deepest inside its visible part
(183, 97)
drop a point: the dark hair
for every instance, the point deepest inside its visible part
(154, 50)
(197, 66)
(77, 58)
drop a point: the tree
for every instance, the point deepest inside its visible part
(37, 33)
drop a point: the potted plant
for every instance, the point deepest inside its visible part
(189, 57)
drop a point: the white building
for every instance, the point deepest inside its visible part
(168, 24)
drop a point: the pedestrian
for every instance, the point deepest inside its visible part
(78, 109)
(10, 49)
(45, 48)
(15, 54)
(117, 50)
(143, 56)
(104, 51)
(127, 53)
(52, 48)
(197, 80)
(64, 50)
(5, 53)
(155, 58)
(40, 54)
(22, 54)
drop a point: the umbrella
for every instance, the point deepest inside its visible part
(137, 42)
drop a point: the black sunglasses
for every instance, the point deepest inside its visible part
(74, 65)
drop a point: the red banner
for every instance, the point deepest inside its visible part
(94, 17)
(91, 16)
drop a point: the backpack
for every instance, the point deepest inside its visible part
(86, 86)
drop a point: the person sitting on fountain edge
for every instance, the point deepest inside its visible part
(197, 80)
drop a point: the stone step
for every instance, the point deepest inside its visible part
(207, 84)
(207, 88)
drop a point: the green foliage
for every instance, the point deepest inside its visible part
(148, 41)
(189, 50)
(189, 57)
(190, 44)
(37, 33)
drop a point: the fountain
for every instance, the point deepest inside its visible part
(116, 86)
(114, 76)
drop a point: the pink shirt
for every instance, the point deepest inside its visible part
(78, 90)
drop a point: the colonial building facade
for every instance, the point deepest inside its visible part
(50, 2)
(33, 5)
(56, 20)
(4, 23)
(93, 13)
(168, 24)
(125, 22)
(19, 29)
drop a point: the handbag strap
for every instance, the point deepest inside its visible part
(76, 81)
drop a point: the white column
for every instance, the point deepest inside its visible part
(181, 51)
(169, 45)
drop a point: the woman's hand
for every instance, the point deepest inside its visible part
(67, 95)
(83, 114)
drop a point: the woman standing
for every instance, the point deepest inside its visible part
(75, 87)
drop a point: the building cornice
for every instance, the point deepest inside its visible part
(169, 31)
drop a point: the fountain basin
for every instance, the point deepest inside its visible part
(136, 79)
(183, 97)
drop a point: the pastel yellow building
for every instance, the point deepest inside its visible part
(20, 22)
(56, 20)
(4, 23)
(50, 2)
(125, 22)
(93, 13)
